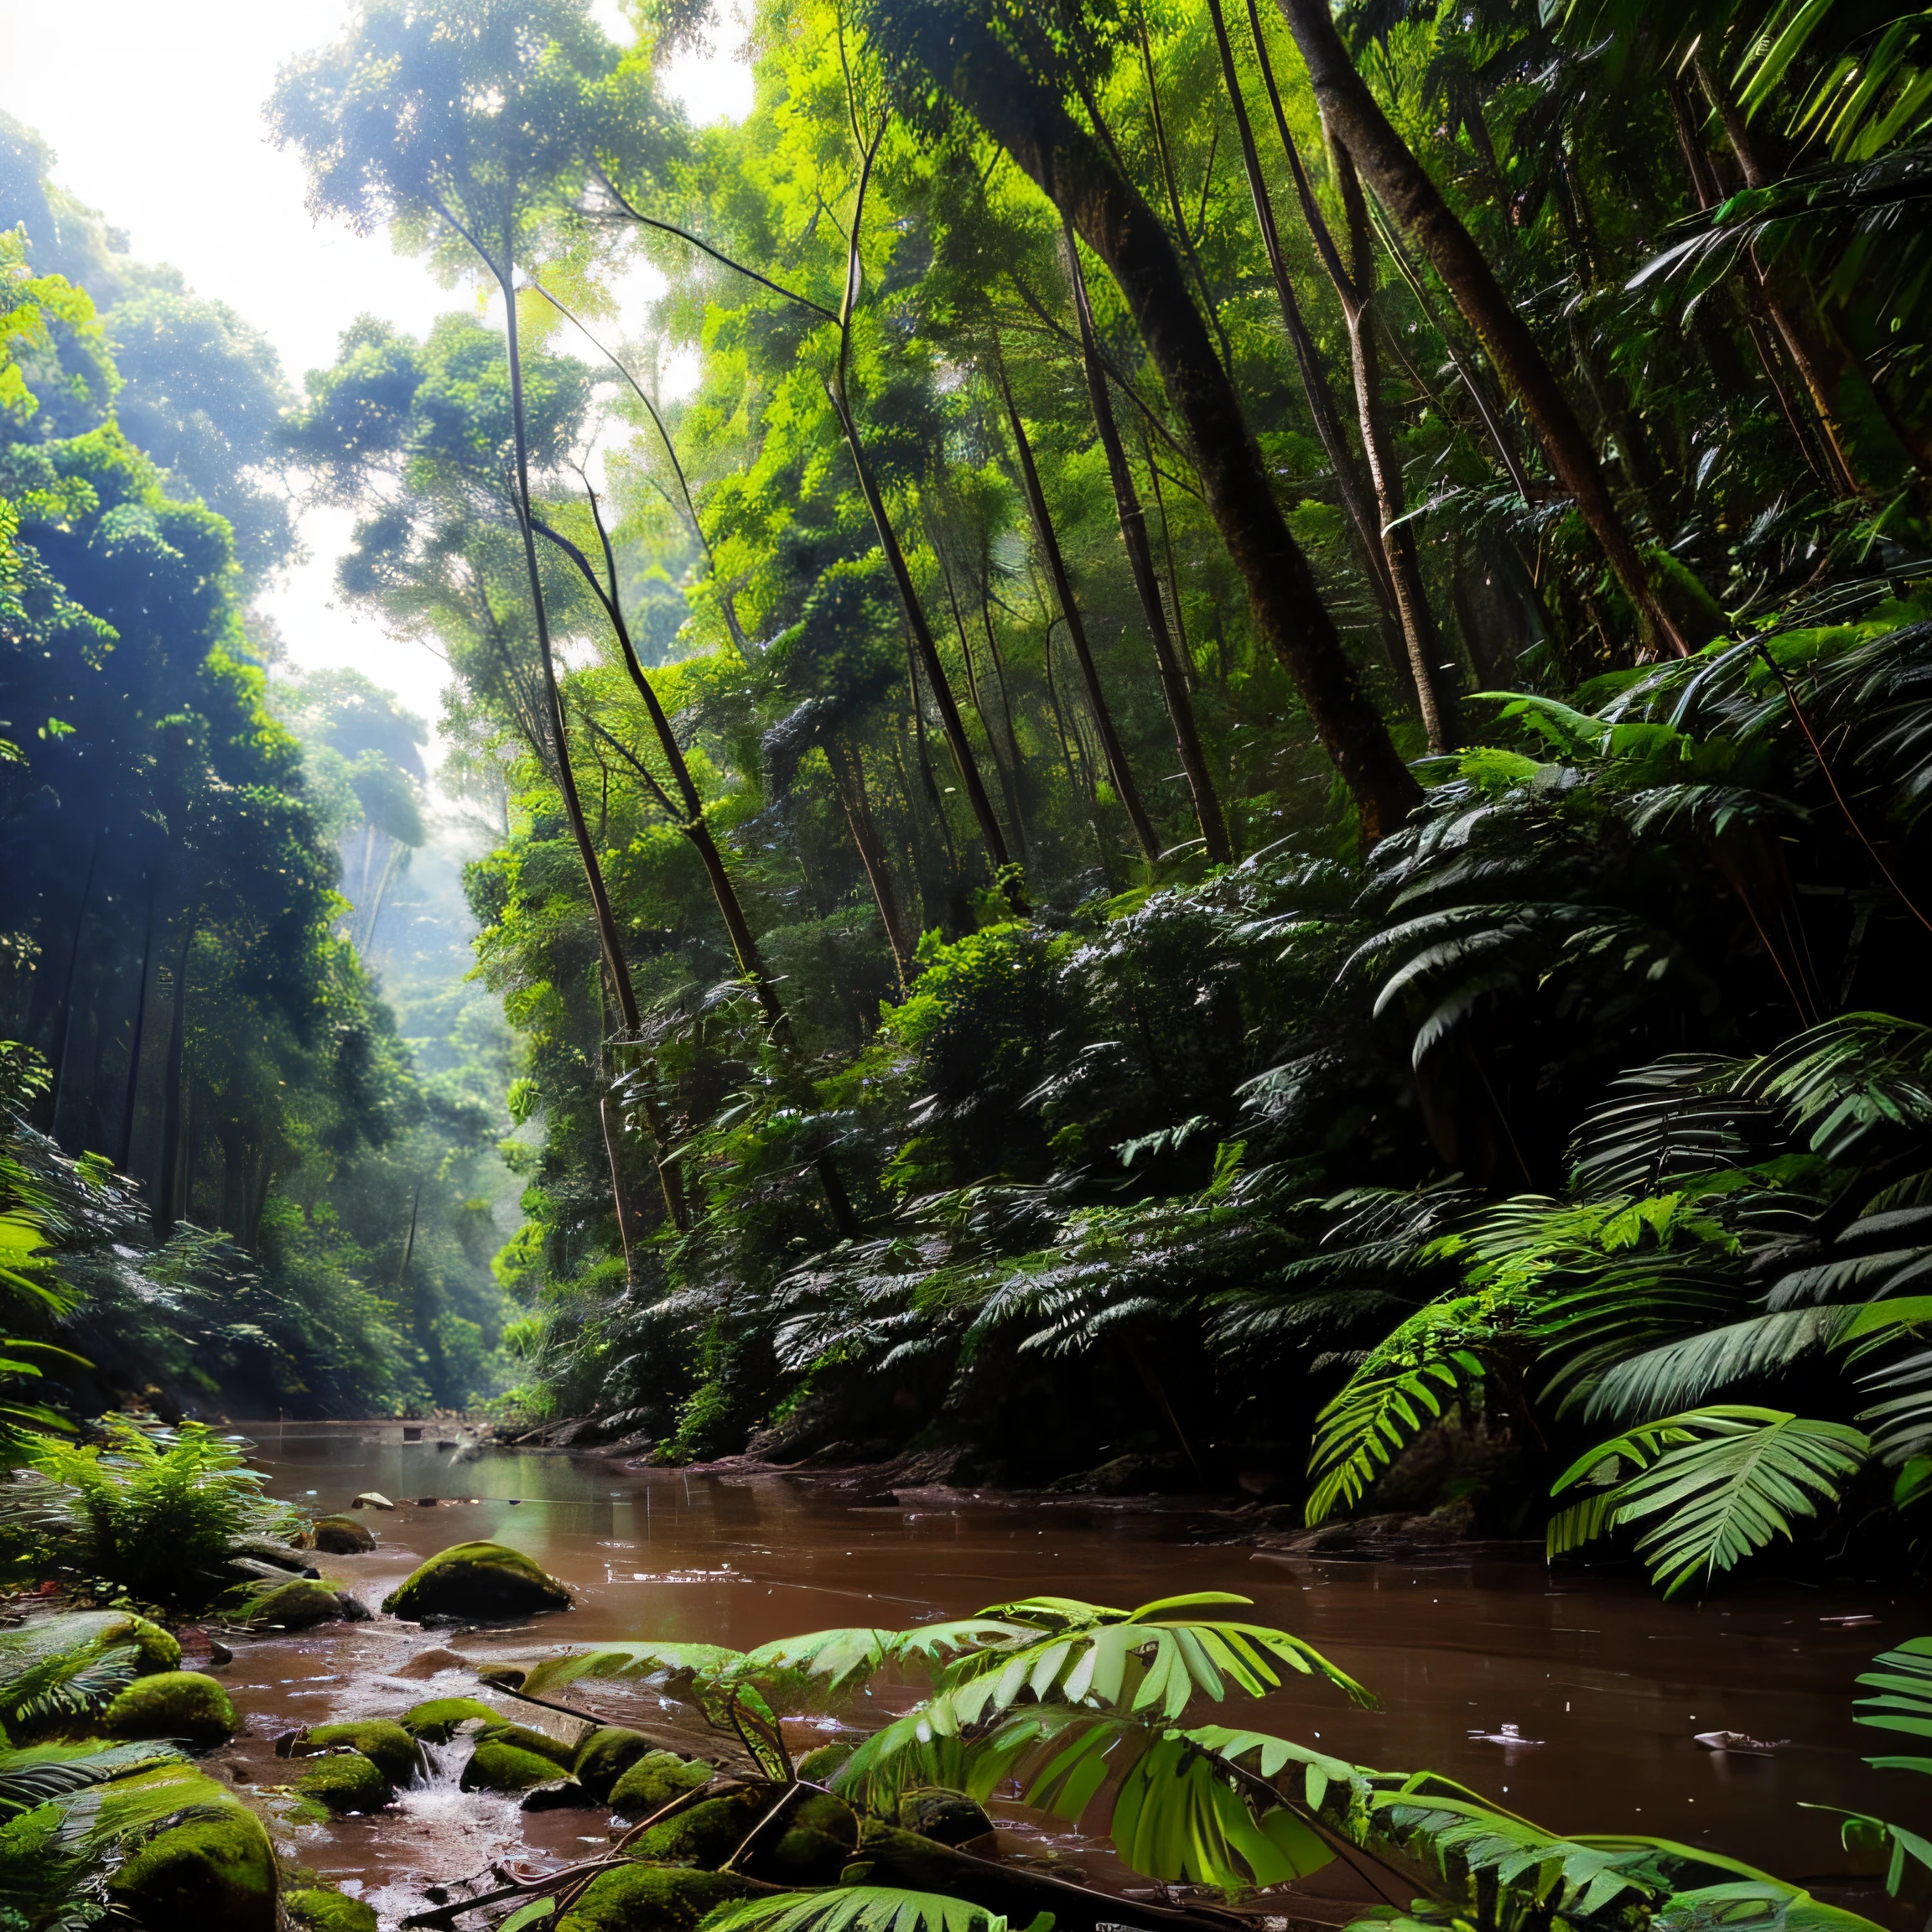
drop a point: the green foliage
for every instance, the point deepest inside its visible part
(153, 1510)
(860, 1909)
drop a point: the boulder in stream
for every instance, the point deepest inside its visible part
(947, 1817)
(810, 1845)
(651, 1781)
(435, 1719)
(384, 1742)
(537, 1743)
(497, 1766)
(652, 1898)
(172, 1703)
(296, 1605)
(214, 1871)
(345, 1781)
(605, 1755)
(706, 1833)
(342, 1536)
(476, 1580)
(321, 1909)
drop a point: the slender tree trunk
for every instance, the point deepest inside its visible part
(965, 54)
(63, 1032)
(1008, 784)
(610, 937)
(1356, 121)
(1809, 356)
(1363, 522)
(133, 1092)
(619, 1194)
(970, 779)
(1140, 559)
(1119, 772)
(168, 1176)
(1356, 292)
(849, 781)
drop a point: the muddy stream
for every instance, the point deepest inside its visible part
(1613, 1683)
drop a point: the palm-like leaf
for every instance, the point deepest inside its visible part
(858, 1909)
(42, 1771)
(1378, 1415)
(1711, 1485)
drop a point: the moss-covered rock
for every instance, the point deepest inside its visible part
(706, 1833)
(212, 1871)
(345, 1781)
(652, 1898)
(81, 1636)
(320, 1908)
(342, 1536)
(821, 1766)
(537, 1743)
(605, 1756)
(172, 1703)
(947, 1817)
(386, 1744)
(434, 1721)
(811, 1845)
(295, 1605)
(495, 1766)
(476, 1580)
(649, 1783)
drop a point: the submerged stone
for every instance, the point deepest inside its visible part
(172, 1703)
(213, 1871)
(649, 1783)
(476, 1580)
(495, 1766)
(652, 1898)
(345, 1781)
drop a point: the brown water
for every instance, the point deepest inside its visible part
(1612, 1682)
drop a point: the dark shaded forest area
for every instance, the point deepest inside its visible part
(1208, 757)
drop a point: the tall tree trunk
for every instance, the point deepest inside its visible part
(63, 1033)
(958, 45)
(950, 722)
(168, 1176)
(133, 1092)
(1363, 522)
(1809, 356)
(1119, 772)
(1140, 559)
(1009, 782)
(849, 781)
(612, 940)
(1356, 121)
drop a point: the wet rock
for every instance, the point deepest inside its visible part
(385, 1743)
(345, 1781)
(172, 1703)
(560, 1795)
(372, 1499)
(1380, 1539)
(823, 1765)
(706, 1833)
(432, 1663)
(320, 1909)
(649, 1783)
(605, 1755)
(353, 1608)
(537, 1743)
(342, 1536)
(84, 1634)
(652, 1898)
(810, 1845)
(945, 1817)
(477, 1580)
(495, 1766)
(434, 1721)
(296, 1605)
(213, 1871)
(277, 1555)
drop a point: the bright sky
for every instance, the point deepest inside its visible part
(154, 113)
